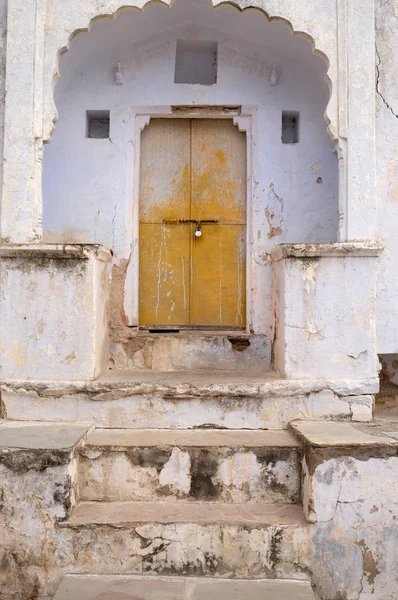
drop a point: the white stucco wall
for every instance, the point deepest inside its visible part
(387, 171)
(87, 184)
(324, 328)
(3, 30)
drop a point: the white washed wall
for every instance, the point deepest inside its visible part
(387, 171)
(3, 31)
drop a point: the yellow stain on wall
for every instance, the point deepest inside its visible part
(17, 353)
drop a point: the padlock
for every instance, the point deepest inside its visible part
(198, 231)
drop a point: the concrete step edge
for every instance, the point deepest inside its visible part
(122, 439)
(93, 587)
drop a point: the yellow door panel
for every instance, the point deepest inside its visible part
(218, 277)
(164, 274)
(218, 170)
(165, 193)
(192, 170)
(165, 173)
(219, 255)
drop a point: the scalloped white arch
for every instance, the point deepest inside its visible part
(38, 31)
(111, 9)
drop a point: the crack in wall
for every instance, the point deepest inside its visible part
(378, 85)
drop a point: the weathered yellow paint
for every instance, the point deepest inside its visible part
(192, 169)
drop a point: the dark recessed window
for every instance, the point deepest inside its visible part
(290, 126)
(196, 62)
(98, 124)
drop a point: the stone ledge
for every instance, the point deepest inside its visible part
(120, 514)
(347, 435)
(113, 587)
(41, 436)
(56, 251)
(341, 250)
(191, 385)
(30, 446)
(324, 441)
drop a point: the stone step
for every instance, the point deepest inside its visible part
(92, 587)
(206, 465)
(198, 539)
(191, 351)
(232, 400)
(213, 513)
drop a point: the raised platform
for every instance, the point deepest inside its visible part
(150, 399)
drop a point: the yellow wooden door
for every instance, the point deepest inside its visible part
(192, 171)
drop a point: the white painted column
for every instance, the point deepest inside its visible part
(360, 210)
(21, 210)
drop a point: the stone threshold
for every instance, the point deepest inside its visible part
(131, 587)
(126, 514)
(124, 439)
(191, 384)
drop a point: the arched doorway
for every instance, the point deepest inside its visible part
(161, 64)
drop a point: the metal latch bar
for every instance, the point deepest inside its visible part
(197, 221)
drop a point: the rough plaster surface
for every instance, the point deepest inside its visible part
(348, 551)
(52, 312)
(3, 29)
(235, 474)
(353, 503)
(386, 14)
(190, 352)
(349, 493)
(36, 550)
(324, 327)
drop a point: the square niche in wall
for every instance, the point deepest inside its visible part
(290, 126)
(98, 124)
(196, 62)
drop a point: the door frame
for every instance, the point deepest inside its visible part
(242, 117)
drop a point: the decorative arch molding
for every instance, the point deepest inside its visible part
(39, 31)
(66, 24)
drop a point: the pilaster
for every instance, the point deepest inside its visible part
(21, 211)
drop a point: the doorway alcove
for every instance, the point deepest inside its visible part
(135, 65)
